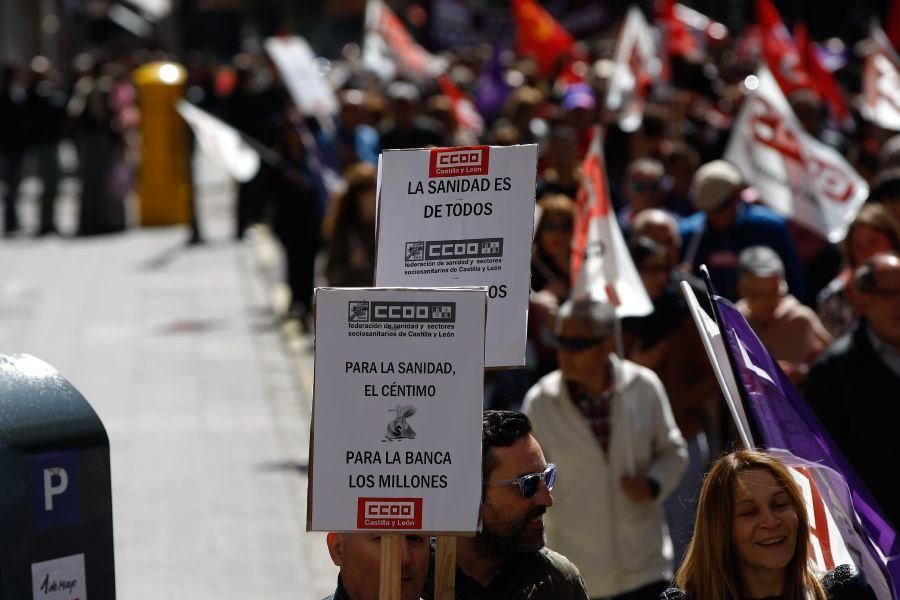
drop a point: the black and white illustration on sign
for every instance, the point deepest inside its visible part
(399, 428)
(462, 217)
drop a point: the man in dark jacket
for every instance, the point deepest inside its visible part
(359, 557)
(854, 387)
(507, 558)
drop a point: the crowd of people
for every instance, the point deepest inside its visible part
(93, 106)
(632, 427)
(750, 540)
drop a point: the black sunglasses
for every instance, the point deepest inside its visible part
(577, 344)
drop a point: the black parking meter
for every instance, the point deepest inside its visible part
(56, 537)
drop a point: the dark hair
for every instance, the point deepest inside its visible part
(876, 216)
(885, 185)
(500, 428)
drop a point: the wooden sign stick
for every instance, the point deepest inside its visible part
(445, 568)
(389, 582)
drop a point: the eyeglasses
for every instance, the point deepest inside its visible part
(531, 483)
(577, 344)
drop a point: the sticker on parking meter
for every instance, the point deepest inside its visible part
(397, 403)
(462, 217)
(59, 579)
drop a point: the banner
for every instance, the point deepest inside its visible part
(881, 82)
(845, 525)
(797, 175)
(397, 404)
(637, 67)
(309, 89)
(462, 216)
(220, 142)
(601, 264)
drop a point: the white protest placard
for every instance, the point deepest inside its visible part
(309, 89)
(397, 404)
(462, 217)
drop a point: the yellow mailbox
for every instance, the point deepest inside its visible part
(164, 179)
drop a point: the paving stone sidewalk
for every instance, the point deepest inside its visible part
(179, 352)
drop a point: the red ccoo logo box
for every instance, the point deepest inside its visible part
(452, 162)
(389, 513)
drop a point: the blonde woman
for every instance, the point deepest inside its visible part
(750, 539)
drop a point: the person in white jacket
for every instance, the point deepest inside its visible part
(607, 423)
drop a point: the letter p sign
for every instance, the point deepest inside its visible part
(56, 481)
(54, 489)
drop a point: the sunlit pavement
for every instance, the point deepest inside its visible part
(204, 394)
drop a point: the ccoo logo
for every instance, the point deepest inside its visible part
(453, 162)
(389, 513)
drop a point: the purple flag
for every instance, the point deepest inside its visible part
(785, 421)
(491, 90)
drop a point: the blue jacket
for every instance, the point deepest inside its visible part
(755, 226)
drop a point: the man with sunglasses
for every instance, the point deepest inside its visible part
(607, 423)
(507, 559)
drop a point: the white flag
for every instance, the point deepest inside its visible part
(601, 264)
(637, 67)
(881, 82)
(711, 337)
(309, 89)
(221, 143)
(797, 175)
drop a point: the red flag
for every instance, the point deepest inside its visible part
(466, 114)
(821, 77)
(679, 39)
(781, 54)
(601, 265)
(892, 24)
(539, 35)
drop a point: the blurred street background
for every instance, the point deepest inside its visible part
(205, 397)
(168, 271)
